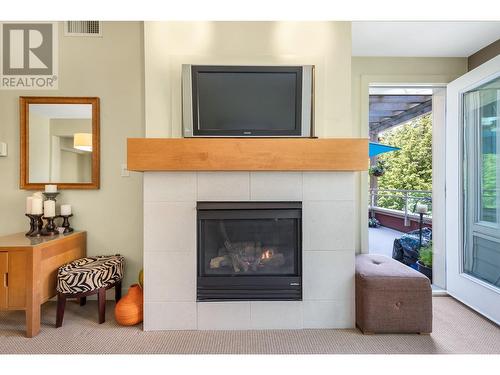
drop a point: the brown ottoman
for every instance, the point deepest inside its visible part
(391, 297)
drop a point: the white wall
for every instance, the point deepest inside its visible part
(327, 45)
(111, 68)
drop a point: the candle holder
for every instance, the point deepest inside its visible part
(50, 196)
(36, 225)
(65, 224)
(50, 227)
(32, 225)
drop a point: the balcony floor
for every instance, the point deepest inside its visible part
(381, 240)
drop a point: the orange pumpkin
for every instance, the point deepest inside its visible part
(129, 309)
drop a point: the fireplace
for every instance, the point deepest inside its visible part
(249, 251)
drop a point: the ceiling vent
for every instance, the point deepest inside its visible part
(83, 28)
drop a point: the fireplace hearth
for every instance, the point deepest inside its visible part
(249, 251)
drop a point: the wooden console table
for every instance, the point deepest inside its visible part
(28, 271)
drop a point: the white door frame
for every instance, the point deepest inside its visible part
(438, 138)
(479, 295)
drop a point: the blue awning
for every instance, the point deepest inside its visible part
(377, 148)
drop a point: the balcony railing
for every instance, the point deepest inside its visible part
(400, 201)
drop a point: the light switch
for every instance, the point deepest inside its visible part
(3, 149)
(124, 171)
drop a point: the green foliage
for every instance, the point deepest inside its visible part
(425, 255)
(411, 167)
(489, 180)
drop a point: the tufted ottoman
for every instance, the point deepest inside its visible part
(86, 276)
(391, 297)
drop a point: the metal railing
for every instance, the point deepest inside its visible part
(403, 201)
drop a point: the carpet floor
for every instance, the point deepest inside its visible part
(457, 329)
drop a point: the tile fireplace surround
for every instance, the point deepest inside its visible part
(170, 250)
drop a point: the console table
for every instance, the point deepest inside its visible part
(28, 271)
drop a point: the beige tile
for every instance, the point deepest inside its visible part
(224, 315)
(328, 275)
(170, 226)
(169, 316)
(276, 186)
(276, 314)
(325, 186)
(329, 314)
(328, 225)
(169, 186)
(223, 186)
(170, 276)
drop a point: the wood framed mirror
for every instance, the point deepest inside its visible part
(59, 142)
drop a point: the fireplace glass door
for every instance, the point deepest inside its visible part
(249, 250)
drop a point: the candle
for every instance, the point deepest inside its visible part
(65, 209)
(49, 208)
(421, 208)
(29, 203)
(37, 206)
(51, 188)
(38, 194)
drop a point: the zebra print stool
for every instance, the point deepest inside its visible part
(86, 276)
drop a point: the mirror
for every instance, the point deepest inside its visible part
(59, 142)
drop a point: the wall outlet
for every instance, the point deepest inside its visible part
(3, 149)
(124, 172)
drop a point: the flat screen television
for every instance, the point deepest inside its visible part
(247, 101)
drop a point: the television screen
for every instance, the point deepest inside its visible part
(246, 100)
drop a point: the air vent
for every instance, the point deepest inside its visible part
(83, 28)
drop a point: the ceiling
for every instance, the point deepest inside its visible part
(422, 39)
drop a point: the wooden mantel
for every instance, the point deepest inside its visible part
(247, 154)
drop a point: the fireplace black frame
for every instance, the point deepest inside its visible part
(286, 287)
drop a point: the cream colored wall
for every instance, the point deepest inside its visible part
(68, 127)
(327, 45)
(390, 70)
(111, 68)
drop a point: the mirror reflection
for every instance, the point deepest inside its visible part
(60, 143)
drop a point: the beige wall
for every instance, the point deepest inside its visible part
(327, 45)
(111, 68)
(390, 70)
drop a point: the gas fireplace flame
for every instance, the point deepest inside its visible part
(267, 254)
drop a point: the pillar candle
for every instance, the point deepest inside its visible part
(65, 209)
(37, 206)
(49, 208)
(29, 203)
(38, 194)
(50, 188)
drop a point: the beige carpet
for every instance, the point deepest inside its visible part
(457, 329)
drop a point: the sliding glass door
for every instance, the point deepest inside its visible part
(473, 189)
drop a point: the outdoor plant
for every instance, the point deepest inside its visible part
(378, 169)
(425, 255)
(373, 223)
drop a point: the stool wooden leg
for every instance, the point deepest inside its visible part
(118, 291)
(101, 299)
(83, 301)
(61, 304)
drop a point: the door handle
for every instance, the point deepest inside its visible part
(6, 280)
